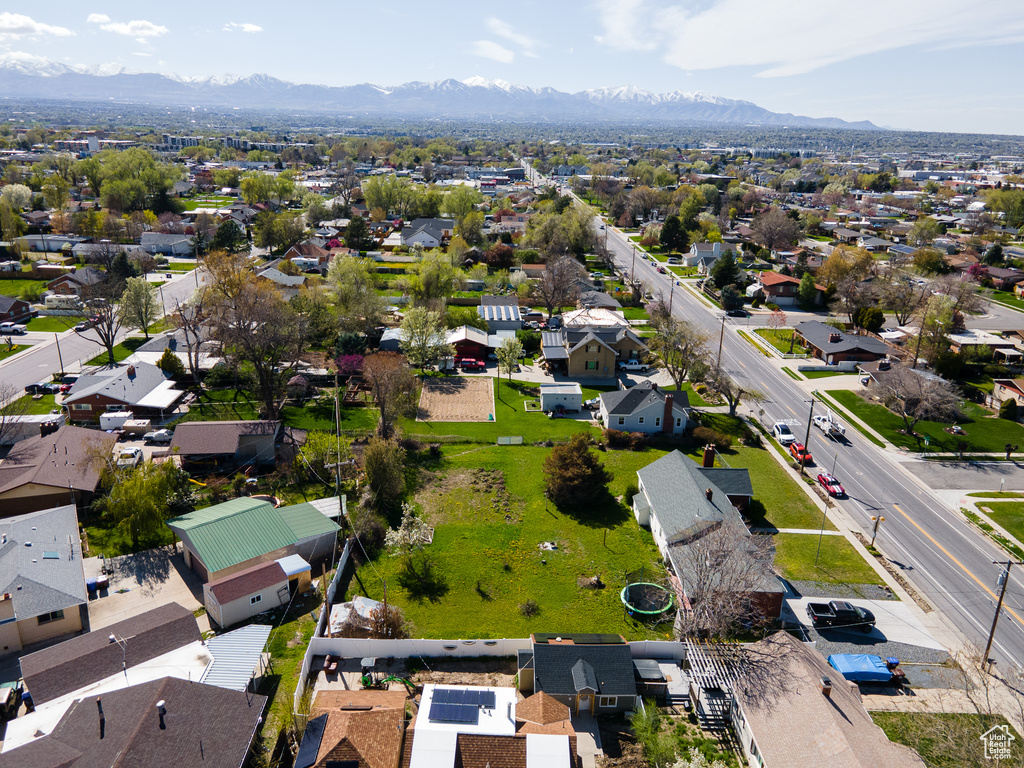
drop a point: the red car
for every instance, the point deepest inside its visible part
(800, 453)
(831, 485)
(469, 364)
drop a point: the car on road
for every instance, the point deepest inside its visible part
(662, 270)
(42, 388)
(128, 457)
(831, 485)
(738, 313)
(783, 433)
(632, 365)
(81, 327)
(158, 436)
(800, 453)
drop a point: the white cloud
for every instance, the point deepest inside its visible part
(804, 36)
(234, 26)
(488, 49)
(136, 28)
(17, 25)
(504, 30)
(140, 53)
(97, 18)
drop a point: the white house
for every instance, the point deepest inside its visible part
(170, 245)
(262, 587)
(646, 408)
(568, 396)
(709, 252)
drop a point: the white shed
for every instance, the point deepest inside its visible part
(568, 396)
(247, 593)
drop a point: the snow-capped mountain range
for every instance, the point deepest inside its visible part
(28, 76)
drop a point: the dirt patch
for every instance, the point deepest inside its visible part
(490, 672)
(468, 493)
(457, 398)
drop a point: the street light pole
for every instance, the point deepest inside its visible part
(807, 437)
(877, 519)
(721, 338)
(999, 605)
(671, 295)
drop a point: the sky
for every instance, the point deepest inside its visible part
(931, 65)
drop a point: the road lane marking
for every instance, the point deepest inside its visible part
(961, 565)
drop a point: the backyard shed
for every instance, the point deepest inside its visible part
(567, 396)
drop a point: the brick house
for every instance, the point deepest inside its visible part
(14, 310)
(143, 389)
(780, 289)
(72, 283)
(834, 346)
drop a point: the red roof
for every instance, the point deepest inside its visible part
(248, 582)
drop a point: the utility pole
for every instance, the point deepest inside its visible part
(721, 338)
(671, 295)
(56, 338)
(807, 437)
(920, 335)
(877, 519)
(1005, 577)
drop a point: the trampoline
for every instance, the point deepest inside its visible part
(644, 600)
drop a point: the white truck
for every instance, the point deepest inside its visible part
(830, 427)
(12, 329)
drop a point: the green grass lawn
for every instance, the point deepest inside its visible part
(239, 405)
(824, 374)
(113, 543)
(122, 351)
(838, 563)
(18, 286)
(985, 433)
(491, 563)
(780, 339)
(1008, 514)
(635, 313)
(161, 325)
(997, 495)
(177, 266)
(217, 201)
(694, 399)
(6, 351)
(779, 501)
(1007, 298)
(53, 323)
(946, 740)
(45, 404)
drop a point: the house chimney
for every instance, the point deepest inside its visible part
(835, 337)
(709, 493)
(131, 371)
(826, 687)
(709, 456)
(667, 419)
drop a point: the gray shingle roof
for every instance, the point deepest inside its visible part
(39, 583)
(611, 667)
(735, 482)
(626, 401)
(70, 457)
(818, 335)
(217, 437)
(583, 676)
(128, 384)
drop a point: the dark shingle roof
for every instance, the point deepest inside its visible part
(217, 437)
(625, 401)
(71, 457)
(611, 668)
(80, 661)
(735, 482)
(818, 335)
(203, 725)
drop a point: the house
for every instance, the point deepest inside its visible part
(225, 445)
(646, 408)
(81, 661)
(252, 591)
(469, 342)
(143, 389)
(805, 713)
(1007, 389)
(42, 583)
(42, 472)
(14, 310)
(96, 252)
(49, 243)
(72, 283)
(227, 538)
(287, 285)
(598, 300)
(153, 350)
(430, 233)
(501, 317)
(682, 502)
(706, 252)
(168, 245)
(1005, 279)
(835, 346)
(780, 289)
(163, 723)
(28, 425)
(595, 317)
(590, 351)
(309, 251)
(587, 673)
(362, 729)
(564, 397)
(972, 339)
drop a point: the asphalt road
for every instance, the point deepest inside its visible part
(74, 349)
(937, 551)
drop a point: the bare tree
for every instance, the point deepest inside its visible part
(679, 345)
(106, 319)
(777, 320)
(902, 298)
(963, 294)
(560, 283)
(393, 386)
(190, 319)
(731, 390)
(913, 396)
(721, 572)
(775, 230)
(12, 406)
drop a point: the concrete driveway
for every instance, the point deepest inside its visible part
(894, 621)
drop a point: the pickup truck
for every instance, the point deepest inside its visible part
(839, 613)
(12, 329)
(830, 427)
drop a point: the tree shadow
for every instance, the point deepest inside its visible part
(604, 511)
(756, 515)
(422, 580)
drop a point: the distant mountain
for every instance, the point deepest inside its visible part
(477, 98)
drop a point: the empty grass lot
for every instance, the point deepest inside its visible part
(17, 286)
(838, 562)
(946, 740)
(1008, 514)
(490, 565)
(985, 433)
(780, 339)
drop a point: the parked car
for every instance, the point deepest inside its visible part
(81, 327)
(738, 313)
(839, 613)
(158, 436)
(12, 329)
(632, 365)
(42, 388)
(800, 453)
(129, 457)
(470, 364)
(592, 404)
(831, 485)
(783, 433)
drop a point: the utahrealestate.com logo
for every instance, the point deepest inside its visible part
(997, 742)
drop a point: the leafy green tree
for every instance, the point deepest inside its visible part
(924, 230)
(929, 261)
(869, 318)
(56, 191)
(229, 237)
(357, 234)
(673, 236)
(509, 352)
(573, 476)
(994, 255)
(731, 298)
(256, 187)
(432, 280)
(807, 292)
(384, 466)
(360, 307)
(139, 306)
(317, 312)
(171, 364)
(725, 271)
(141, 498)
(460, 201)
(424, 340)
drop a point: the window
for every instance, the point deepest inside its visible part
(591, 365)
(46, 618)
(81, 407)
(607, 701)
(622, 420)
(679, 422)
(255, 599)
(591, 347)
(641, 420)
(657, 421)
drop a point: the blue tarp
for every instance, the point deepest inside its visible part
(861, 667)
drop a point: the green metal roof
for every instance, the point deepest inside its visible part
(306, 521)
(236, 531)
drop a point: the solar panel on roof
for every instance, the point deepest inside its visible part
(446, 712)
(311, 739)
(487, 699)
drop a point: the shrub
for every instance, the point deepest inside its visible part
(529, 608)
(705, 435)
(370, 529)
(171, 364)
(755, 303)
(1008, 410)
(997, 371)
(631, 490)
(573, 476)
(616, 439)
(637, 441)
(700, 389)
(771, 305)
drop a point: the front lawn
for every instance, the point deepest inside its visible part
(6, 351)
(17, 287)
(635, 313)
(838, 563)
(985, 433)
(122, 351)
(945, 740)
(1007, 298)
(782, 340)
(779, 502)
(1008, 514)
(489, 515)
(824, 374)
(41, 406)
(53, 323)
